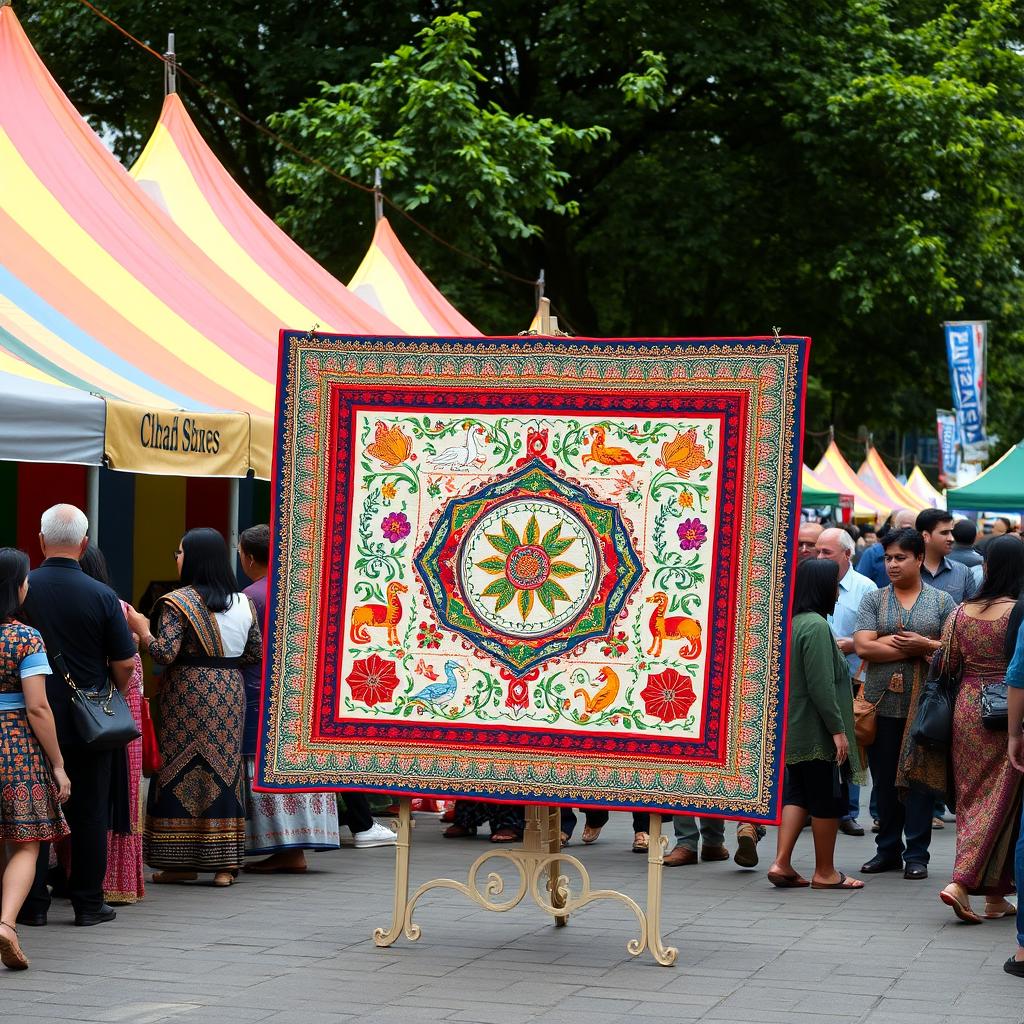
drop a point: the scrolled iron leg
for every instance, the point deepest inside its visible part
(385, 937)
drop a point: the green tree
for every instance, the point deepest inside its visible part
(473, 172)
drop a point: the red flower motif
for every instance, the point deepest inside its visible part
(518, 697)
(668, 695)
(372, 680)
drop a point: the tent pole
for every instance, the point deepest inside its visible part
(233, 517)
(92, 502)
(170, 67)
(378, 196)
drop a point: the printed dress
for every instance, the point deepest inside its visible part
(988, 789)
(124, 882)
(29, 810)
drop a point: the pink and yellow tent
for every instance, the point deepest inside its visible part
(389, 280)
(919, 485)
(877, 475)
(181, 173)
(837, 473)
(101, 291)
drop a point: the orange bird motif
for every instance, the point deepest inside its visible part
(675, 627)
(608, 455)
(683, 454)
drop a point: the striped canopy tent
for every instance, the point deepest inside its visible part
(815, 492)
(181, 173)
(919, 485)
(389, 280)
(131, 344)
(837, 473)
(101, 291)
(877, 475)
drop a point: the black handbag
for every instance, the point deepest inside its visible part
(995, 712)
(933, 724)
(102, 717)
(932, 727)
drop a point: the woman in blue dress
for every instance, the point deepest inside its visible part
(33, 783)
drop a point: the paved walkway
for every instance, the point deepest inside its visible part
(297, 950)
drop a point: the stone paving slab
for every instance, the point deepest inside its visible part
(298, 950)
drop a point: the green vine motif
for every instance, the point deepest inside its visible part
(674, 570)
(375, 559)
(402, 473)
(668, 479)
(367, 591)
(686, 603)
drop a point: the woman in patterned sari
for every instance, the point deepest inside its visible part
(205, 632)
(988, 788)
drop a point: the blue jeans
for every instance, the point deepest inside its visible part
(853, 811)
(1018, 874)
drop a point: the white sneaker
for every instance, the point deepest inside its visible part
(378, 835)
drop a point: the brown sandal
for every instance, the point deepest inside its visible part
(962, 910)
(505, 835)
(11, 954)
(458, 832)
(641, 842)
(781, 881)
(173, 877)
(590, 833)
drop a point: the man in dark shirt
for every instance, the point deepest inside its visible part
(965, 533)
(939, 570)
(80, 618)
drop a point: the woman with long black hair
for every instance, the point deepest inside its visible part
(203, 633)
(821, 749)
(988, 789)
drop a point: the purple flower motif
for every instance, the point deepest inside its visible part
(396, 526)
(692, 533)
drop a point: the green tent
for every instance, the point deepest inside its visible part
(999, 489)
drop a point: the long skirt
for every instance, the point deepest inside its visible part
(988, 799)
(124, 880)
(195, 817)
(289, 821)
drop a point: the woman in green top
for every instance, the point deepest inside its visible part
(821, 749)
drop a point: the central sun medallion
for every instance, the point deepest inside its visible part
(528, 567)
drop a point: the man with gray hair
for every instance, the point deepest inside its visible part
(80, 619)
(837, 546)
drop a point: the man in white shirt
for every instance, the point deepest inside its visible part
(837, 546)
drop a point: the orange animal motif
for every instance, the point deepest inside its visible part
(604, 698)
(608, 455)
(390, 445)
(683, 454)
(378, 616)
(675, 627)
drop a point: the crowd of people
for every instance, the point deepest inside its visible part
(72, 821)
(871, 610)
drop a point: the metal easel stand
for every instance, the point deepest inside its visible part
(538, 862)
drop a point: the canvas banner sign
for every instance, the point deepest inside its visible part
(525, 569)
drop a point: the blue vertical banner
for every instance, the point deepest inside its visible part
(949, 445)
(965, 349)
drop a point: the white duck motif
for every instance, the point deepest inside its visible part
(460, 456)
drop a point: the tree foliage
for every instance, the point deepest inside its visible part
(849, 169)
